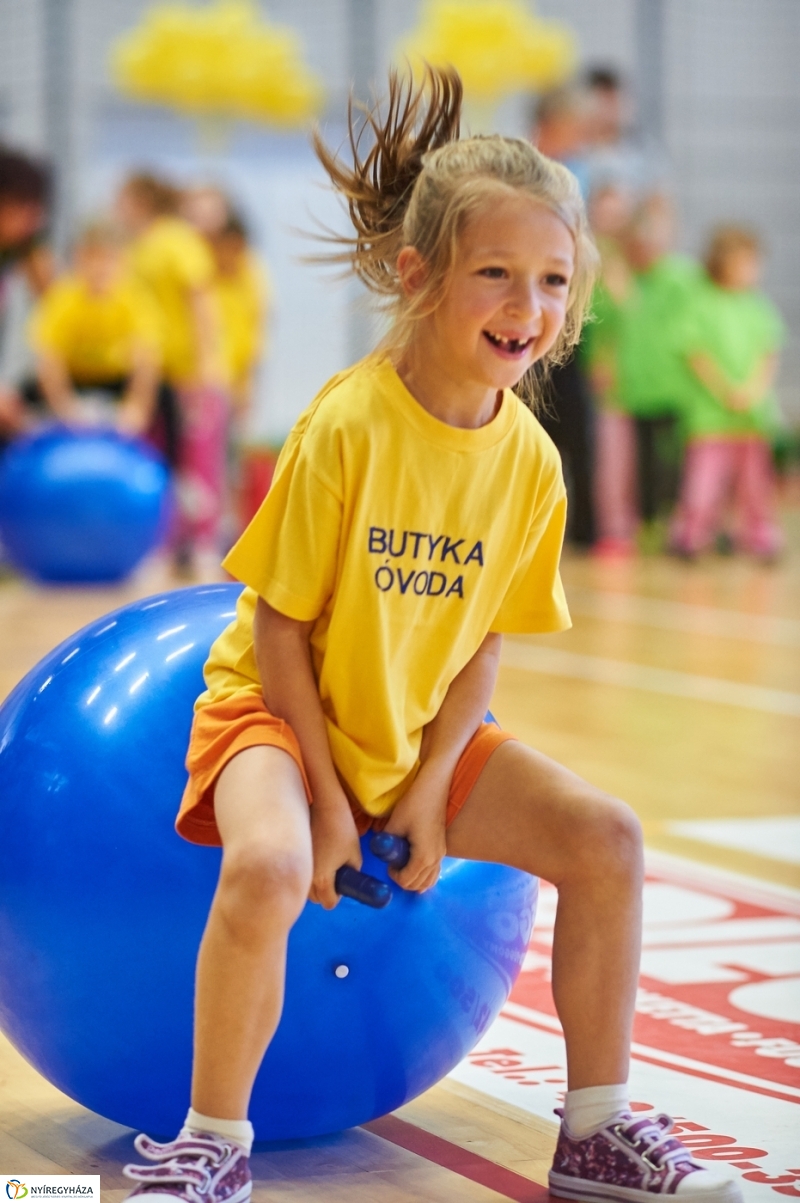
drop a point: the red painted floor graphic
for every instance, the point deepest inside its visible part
(460, 1161)
(717, 1033)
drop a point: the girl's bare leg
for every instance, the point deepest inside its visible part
(529, 812)
(262, 816)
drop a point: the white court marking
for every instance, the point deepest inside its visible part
(532, 657)
(777, 837)
(777, 999)
(631, 608)
(718, 1024)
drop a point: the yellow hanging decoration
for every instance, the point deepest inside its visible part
(222, 61)
(497, 46)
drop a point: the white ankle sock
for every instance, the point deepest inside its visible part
(593, 1106)
(238, 1130)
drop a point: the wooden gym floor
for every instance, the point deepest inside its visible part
(678, 689)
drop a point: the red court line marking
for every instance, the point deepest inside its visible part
(665, 1063)
(460, 1161)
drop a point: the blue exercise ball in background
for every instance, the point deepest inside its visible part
(102, 907)
(81, 505)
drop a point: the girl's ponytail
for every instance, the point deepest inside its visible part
(417, 119)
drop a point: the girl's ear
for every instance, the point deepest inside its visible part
(412, 271)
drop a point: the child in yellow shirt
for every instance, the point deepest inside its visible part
(241, 292)
(96, 331)
(416, 516)
(173, 262)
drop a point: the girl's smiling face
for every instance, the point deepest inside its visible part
(506, 297)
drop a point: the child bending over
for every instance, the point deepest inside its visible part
(95, 331)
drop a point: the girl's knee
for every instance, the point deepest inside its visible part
(611, 842)
(267, 883)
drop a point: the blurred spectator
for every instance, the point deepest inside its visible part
(25, 191)
(560, 128)
(730, 335)
(614, 156)
(206, 207)
(173, 261)
(560, 131)
(96, 337)
(653, 377)
(615, 438)
(241, 291)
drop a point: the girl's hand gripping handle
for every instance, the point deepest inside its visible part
(393, 850)
(350, 883)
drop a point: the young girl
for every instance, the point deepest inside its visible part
(730, 336)
(415, 517)
(172, 261)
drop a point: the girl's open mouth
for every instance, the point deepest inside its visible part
(509, 348)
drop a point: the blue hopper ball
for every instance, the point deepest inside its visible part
(102, 907)
(81, 506)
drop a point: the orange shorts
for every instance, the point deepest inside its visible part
(222, 729)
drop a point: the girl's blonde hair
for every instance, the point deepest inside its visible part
(418, 184)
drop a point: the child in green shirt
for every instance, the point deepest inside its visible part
(653, 377)
(615, 439)
(729, 339)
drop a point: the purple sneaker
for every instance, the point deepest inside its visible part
(630, 1160)
(197, 1167)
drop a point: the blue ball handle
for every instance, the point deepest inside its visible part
(350, 883)
(394, 850)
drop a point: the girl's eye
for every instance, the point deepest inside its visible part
(556, 280)
(493, 273)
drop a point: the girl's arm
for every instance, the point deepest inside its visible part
(420, 814)
(736, 397)
(290, 692)
(54, 381)
(136, 411)
(758, 384)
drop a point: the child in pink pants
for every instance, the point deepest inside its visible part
(202, 467)
(730, 338)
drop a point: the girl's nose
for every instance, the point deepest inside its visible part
(526, 302)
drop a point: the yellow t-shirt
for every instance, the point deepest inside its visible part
(171, 260)
(406, 540)
(96, 334)
(241, 301)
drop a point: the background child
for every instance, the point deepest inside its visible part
(241, 292)
(560, 131)
(730, 335)
(26, 265)
(615, 436)
(174, 263)
(416, 515)
(653, 376)
(97, 331)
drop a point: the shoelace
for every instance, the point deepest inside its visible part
(187, 1163)
(662, 1149)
